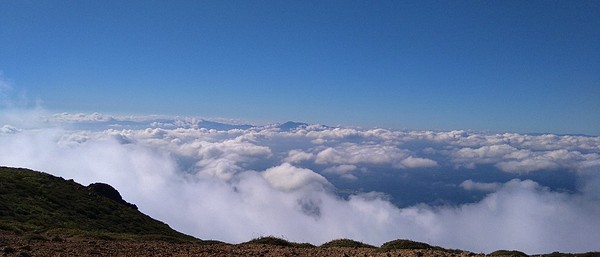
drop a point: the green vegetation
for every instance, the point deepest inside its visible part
(413, 245)
(37, 202)
(557, 254)
(508, 253)
(271, 240)
(346, 243)
(406, 244)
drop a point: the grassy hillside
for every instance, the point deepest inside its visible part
(36, 201)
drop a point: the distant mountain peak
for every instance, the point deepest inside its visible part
(221, 126)
(291, 125)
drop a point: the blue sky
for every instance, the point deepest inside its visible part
(524, 66)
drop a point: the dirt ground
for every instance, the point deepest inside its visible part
(24, 246)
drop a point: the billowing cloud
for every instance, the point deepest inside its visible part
(341, 169)
(416, 162)
(288, 178)
(511, 159)
(521, 215)
(8, 129)
(295, 156)
(344, 171)
(550, 160)
(472, 185)
(484, 154)
(352, 153)
(241, 182)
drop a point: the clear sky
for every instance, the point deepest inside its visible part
(524, 66)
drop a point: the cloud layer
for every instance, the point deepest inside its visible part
(235, 182)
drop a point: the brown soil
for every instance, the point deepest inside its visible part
(63, 245)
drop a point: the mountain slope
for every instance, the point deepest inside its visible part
(36, 201)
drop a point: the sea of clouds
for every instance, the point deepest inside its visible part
(233, 182)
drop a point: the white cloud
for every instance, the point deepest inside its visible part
(547, 160)
(288, 178)
(80, 117)
(511, 159)
(8, 129)
(472, 185)
(415, 162)
(522, 215)
(296, 156)
(485, 153)
(352, 153)
(234, 185)
(343, 171)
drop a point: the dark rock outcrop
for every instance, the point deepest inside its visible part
(109, 192)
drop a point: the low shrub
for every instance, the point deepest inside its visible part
(406, 244)
(508, 253)
(271, 240)
(346, 243)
